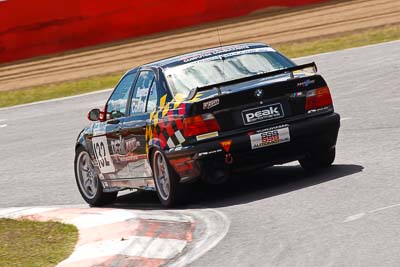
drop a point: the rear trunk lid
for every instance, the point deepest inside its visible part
(256, 102)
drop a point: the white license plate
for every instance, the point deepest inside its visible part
(270, 138)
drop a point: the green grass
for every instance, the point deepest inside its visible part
(339, 42)
(44, 92)
(292, 50)
(29, 243)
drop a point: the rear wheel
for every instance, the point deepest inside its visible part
(88, 182)
(169, 190)
(318, 160)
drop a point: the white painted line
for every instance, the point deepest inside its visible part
(354, 217)
(216, 227)
(362, 214)
(385, 208)
(3, 125)
(345, 119)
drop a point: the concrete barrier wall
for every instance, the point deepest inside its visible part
(34, 28)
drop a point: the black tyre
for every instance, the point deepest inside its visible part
(88, 182)
(319, 160)
(169, 191)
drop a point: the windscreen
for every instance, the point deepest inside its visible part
(225, 67)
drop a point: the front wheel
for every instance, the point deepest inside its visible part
(88, 182)
(169, 190)
(319, 160)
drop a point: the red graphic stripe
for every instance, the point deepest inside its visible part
(164, 229)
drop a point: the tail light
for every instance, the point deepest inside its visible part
(318, 98)
(200, 124)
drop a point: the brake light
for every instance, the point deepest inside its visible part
(200, 124)
(318, 98)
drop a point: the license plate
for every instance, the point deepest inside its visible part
(270, 138)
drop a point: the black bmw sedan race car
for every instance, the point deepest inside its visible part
(204, 115)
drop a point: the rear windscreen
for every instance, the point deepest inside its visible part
(224, 67)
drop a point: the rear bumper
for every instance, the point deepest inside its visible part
(306, 136)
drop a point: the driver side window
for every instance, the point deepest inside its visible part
(116, 106)
(152, 98)
(140, 92)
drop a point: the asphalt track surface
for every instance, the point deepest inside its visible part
(347, 215)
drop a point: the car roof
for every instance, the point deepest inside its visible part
(184, 58)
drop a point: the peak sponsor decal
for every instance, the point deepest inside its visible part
(263, 113)
(211, 104)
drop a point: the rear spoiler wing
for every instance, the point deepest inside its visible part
(291, 70)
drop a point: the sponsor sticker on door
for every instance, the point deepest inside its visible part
(264, 113)
(270, 138)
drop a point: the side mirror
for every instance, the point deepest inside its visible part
(94, 114)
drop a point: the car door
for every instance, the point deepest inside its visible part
(133, 132)
(107, 134)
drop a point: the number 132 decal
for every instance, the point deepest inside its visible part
(102, 154)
